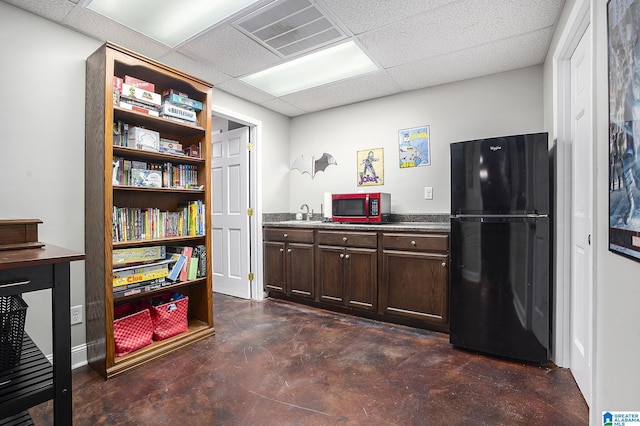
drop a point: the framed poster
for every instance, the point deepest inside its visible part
(413, 145)
(370, 167)
(623, 25)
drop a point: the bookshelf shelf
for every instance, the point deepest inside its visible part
(101, 196)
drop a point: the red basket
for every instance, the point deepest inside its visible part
(168, 318)
(132, 328)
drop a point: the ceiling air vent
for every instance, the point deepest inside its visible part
(290, 27)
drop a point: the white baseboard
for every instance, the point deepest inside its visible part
(78, 356)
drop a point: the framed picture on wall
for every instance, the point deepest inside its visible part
(370, 167)
(413, 145)
(623, 24)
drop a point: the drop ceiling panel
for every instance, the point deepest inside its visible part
(455, 27)
(195, 68)
(359, 16)
(229, 51)
(54, 10)
(487, 59)
(282, 107)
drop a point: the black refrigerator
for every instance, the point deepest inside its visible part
(500, 247)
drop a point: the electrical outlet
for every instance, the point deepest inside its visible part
(76, 314)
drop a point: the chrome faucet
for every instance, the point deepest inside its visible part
(307, 214)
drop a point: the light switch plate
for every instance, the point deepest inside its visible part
(428, 193)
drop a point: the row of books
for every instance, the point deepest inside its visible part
(154, 175)
(140, 96)
(134, 224)
(181, 264)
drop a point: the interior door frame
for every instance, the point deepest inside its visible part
(255, 195)
(579, 19)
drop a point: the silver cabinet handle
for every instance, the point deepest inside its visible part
(341, 255)
(344, 238)
(444, 264)
(281, 250)
(346, 257)
(413, 243)
(285, 235)
(288, 250)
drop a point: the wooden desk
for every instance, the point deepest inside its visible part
(34, 380)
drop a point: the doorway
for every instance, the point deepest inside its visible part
(236, 211)
(574, 129)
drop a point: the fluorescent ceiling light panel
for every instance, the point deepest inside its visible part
(168, 21)
(318, 68)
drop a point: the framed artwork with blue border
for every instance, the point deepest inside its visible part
(413, 145)
(623, 26)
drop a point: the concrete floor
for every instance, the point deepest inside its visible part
(278, 363)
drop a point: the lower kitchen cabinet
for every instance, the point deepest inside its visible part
(347, 269)
(415, 278)
(288, 262)
(400, 277)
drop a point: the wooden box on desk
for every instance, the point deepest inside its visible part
(19, 234)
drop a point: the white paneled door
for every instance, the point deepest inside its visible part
(230, 221)
(581, 210)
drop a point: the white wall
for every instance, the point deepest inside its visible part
(617, 292)
(42, 82)
(500, 104)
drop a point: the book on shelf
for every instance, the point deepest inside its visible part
(142, 96)
(139, 273)
(140, 287)
(170, 110)
(192, 272)
(138, 254)
(146, 178)
(135, 224)
(141, 84)
(184, 271)
(199, 255)
(181, 100)
(174, 274)
(132, 106)
(120, 133)
(144, 139)
(201, 252)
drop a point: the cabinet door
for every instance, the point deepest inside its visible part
(330, 274)
(300, 265)
(416, 286)
(361, 278)
(274, 267)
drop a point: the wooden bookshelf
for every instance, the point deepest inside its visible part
(101, 195)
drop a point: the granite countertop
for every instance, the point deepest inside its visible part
(437, 226)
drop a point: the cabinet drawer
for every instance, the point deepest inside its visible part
(418, 242)
(289, 235)
(350, 239)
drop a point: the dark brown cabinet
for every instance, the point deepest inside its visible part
(288, 262)
(398, 276)
(347, 272)
(415, 278)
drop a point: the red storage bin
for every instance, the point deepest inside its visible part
(170, 317)
(132, 328)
